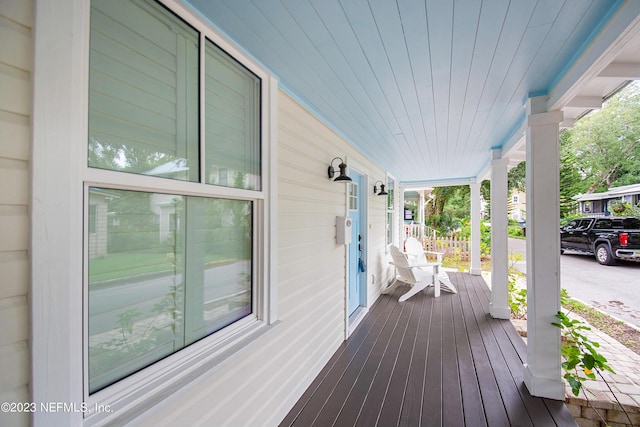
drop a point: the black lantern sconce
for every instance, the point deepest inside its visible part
(343, 177)
(375, 189)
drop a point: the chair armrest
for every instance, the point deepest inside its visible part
(429, 264)
(438, 255)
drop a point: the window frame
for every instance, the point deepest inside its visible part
(390, 212)
(392, 225)
(61, 178)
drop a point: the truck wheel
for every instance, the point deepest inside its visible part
(603, 255)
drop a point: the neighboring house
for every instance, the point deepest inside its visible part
(599, 204)
(213, 289)
(518, 206)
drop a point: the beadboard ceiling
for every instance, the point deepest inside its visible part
(427, 88)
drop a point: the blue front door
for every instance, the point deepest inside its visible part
(355, 254)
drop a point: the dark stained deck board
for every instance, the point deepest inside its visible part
(452, 404)
(432, 404)
(355, 382)
(390, 368)
(428, 361)
(382, 404)
(311, 404)
(513, 404)
(493, 405)
(471, 396)
(514, 349)
(411, 410)
(503, 353)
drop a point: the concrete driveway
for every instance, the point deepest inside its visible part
(612, 289)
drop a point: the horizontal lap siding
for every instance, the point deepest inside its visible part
(260, 384)
(312, 267)
(135, 97)
(15, 109)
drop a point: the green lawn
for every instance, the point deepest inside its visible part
(121, 265)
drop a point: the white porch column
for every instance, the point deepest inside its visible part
(542, 371)
(476, 268)
(499, 233)
(421, 212)
(400, 222)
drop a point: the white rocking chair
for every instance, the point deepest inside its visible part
(417, 256)
(413, 275)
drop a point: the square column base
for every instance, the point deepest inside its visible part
(543, 387)
(476, 271)
(500, 312)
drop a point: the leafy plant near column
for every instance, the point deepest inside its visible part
(582, 361)
(517, 297)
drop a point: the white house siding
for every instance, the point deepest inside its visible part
(15, 109)
(258, 385)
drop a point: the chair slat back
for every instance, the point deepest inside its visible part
(402, 266)
(415, 251)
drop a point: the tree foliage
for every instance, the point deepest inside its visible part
(449, 206)
(601, 151)
(606, 143)
(571, 179)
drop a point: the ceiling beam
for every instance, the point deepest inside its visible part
(568, 122)
(518, 156)
(622, 70)
(585, 102)
(423, 185)
(621, 28)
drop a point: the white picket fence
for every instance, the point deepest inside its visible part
(451, 246)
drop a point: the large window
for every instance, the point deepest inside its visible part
(167, 264)
(390, 221)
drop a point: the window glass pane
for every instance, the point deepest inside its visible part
(218, 264)
(389, 226)
(232, 123)
(390, 192)
(164, 271)
(353, 196)
(143, 90)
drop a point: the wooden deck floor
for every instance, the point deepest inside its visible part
(428, 362)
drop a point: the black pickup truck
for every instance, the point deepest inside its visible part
(608, 238)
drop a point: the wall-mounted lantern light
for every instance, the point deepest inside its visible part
(375, 189)
(343, 177)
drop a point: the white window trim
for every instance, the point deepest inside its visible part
(393, 210)
(59, 172)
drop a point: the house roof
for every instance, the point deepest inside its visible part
(429, 89)
(171, 167)
(611, 193)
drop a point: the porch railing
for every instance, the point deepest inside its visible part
(419, 231)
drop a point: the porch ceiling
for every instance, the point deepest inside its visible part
(426, 89)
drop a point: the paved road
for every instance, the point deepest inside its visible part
(612, 289)
(105, 304)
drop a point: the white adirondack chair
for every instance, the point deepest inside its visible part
(413, 275)
(417, 256)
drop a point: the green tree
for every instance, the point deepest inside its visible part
(571, 179)
(606, 143)
(448, 208)
(516, 179)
